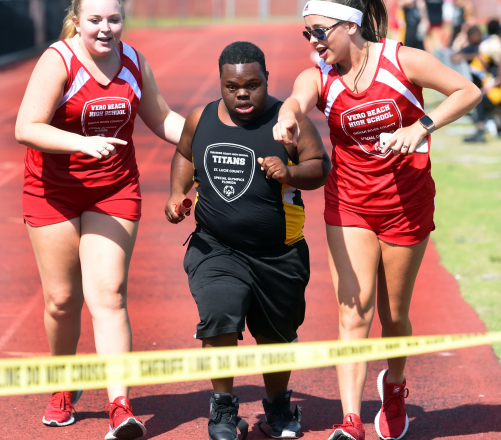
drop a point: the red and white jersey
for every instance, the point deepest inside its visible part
(90, 109)
(362, 178)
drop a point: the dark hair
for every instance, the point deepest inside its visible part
(375, 18)
(473, 30)
(241, 52)
(493, 27)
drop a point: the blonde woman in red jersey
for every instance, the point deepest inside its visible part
(378, 197)
(81, 198)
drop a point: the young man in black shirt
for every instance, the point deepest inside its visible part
(247, 259)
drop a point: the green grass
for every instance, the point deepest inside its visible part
(468, 218)
(132, 23)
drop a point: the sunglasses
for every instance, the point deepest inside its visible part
(321, 33)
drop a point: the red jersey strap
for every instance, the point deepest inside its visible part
(131, 70)
(68, 57)
(326, 79)
(392, 74)
(77, 75)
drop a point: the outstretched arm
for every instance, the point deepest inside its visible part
(181, 172)
(426, 71)
(305, 96)
(313, 164)
(154, 111)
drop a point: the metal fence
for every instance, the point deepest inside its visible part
(28, 23)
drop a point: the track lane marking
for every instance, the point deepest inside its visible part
(11, 174)
(20, 319)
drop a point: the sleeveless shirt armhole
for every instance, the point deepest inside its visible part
(198, 123)
(321, 103)
(139, 68)
(67, 85)
(399, 45)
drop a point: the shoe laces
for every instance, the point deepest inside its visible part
(349, 424)
(62, 400)
(115, 409)
(224, 413)
(394, 404)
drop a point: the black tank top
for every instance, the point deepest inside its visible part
(235, 202)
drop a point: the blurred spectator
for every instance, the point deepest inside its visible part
(470, 50)
(463, 12)
(435, 32)
(416, 22)
(486, 71)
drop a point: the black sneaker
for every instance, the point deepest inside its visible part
(283, 422)
(223, 418)
(478, 137)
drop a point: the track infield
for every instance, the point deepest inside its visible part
(453, 395)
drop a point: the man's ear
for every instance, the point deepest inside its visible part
(267, 74)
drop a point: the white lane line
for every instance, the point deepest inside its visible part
(7, 115)
(8, 176)
(27, 309)
(24, 354)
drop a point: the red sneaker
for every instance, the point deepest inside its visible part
(391, 421)
(123, 424)
(350, 429)
(60, 408)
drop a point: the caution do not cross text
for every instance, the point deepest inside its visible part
(38, 375)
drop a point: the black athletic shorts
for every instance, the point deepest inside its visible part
(229, 285)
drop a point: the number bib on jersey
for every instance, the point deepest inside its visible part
(365, 122)
(230, 169)
(105, 116)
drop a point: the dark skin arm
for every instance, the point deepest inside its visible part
(313, 163)
(181, 173)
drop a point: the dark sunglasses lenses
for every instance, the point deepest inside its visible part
(319, 34)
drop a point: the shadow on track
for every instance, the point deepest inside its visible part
(173, 410)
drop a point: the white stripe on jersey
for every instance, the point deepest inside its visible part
(289, 195)
(131, 53)
(326, 68)
(128, 77)
(387, 78)
(390, 52)
(334, 91)
(65, 52)
(80, 79)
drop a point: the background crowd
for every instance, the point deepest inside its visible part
(454, 33)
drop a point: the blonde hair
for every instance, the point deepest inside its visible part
(69, 30)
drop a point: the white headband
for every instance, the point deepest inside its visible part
(333, 10)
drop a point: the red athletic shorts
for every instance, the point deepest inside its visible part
(401, 228)
(46, 205)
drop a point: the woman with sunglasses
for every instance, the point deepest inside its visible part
(81, 198)
(379, 197)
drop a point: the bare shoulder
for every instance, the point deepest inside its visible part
(414, 61)
(310, 74)
(194, 118)
(51, 66)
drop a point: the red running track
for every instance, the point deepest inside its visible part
(454, 395)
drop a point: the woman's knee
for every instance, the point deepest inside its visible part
(106, 299)
(62, 302)
(352, 319)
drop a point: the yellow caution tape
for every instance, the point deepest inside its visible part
(48, 374)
